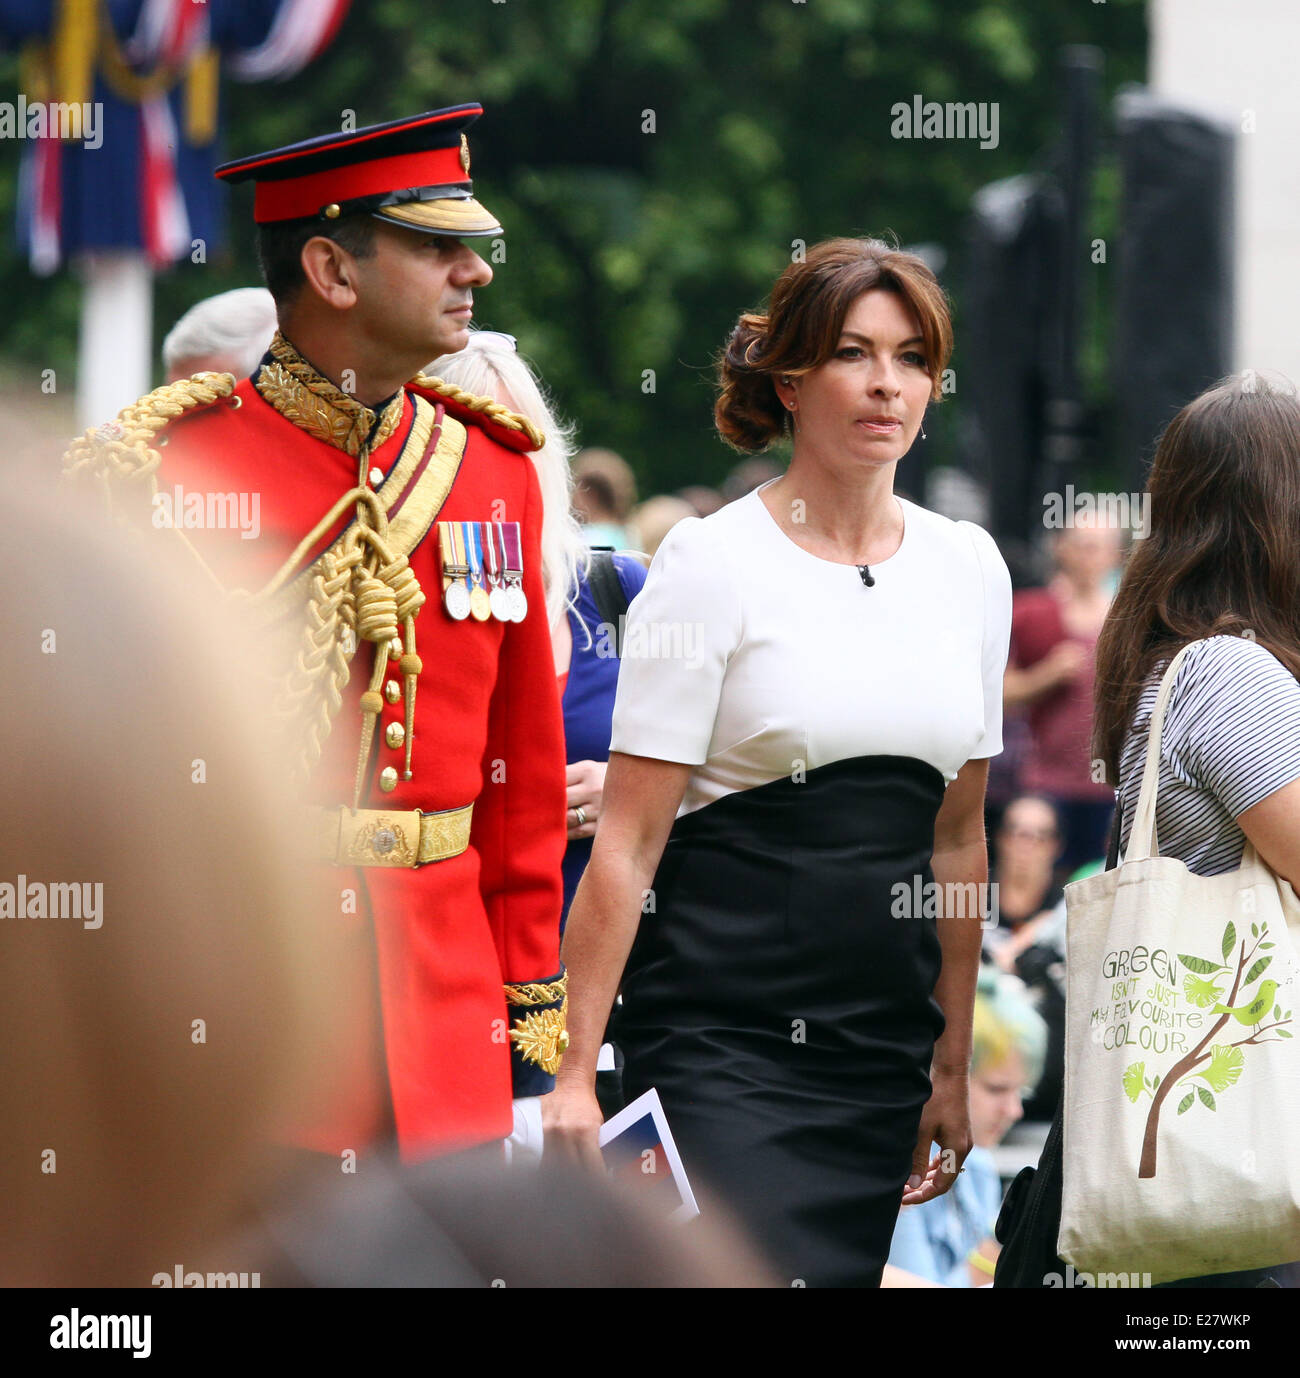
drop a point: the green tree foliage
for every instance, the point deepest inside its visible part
(654, 161)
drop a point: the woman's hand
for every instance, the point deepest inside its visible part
(585, 786)
(571, 1121)
(944, 1121)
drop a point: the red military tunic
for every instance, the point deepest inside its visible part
(447, 936)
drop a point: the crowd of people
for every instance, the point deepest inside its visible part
(779, 703)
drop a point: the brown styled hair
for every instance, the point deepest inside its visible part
(802, 327)
(1223, 552)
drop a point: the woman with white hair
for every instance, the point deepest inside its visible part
(582, 601)
(227, 333)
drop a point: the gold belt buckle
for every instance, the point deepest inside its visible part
(373, 837)
(383, 837)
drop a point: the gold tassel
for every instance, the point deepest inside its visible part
(376, 622)
(76, 41)
(410, 666)
(201, 88)
(34, 70)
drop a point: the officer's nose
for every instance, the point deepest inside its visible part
(471, 270)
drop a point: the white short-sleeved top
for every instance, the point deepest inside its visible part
(751, 659)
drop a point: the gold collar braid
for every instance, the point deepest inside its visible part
(302, 395)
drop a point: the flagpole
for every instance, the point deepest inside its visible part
(114, 356)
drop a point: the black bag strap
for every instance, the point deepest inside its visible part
(1112, 851)
(607, 593)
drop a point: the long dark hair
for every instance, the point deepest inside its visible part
(1223, 552)
(802, 326)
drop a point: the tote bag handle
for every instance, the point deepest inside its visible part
(1142, 841)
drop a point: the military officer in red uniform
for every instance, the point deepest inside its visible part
(392, 524)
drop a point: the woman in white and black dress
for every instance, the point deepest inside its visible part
(810, 691)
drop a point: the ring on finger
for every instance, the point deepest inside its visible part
(580, 814)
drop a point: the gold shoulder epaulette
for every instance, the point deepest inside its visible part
(484, 408)
(122, 449)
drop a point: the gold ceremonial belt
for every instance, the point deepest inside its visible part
(383, 837)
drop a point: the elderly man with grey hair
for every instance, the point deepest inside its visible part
(227, 333)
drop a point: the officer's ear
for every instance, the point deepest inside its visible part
(330, 271)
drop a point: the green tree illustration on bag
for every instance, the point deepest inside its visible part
(1212, 1068)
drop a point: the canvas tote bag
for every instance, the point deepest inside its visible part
(1182, 1075)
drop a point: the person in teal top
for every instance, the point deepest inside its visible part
(949, 1241)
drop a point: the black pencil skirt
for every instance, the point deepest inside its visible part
(779, 996)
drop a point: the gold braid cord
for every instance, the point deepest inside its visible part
(122, 452)
(538, 992)
(121, 449)
(484, 406)
(361, 590)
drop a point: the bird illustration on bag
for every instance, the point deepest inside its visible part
(1251, 1014)
(1210, 1068)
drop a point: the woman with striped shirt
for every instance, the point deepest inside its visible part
(1221, 566)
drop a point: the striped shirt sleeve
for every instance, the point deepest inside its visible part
(1234, 722)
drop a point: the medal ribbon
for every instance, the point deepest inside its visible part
(453, 557)
(510, 544)
(475, 554)
(490, 549)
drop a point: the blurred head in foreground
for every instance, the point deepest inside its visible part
(164, 983)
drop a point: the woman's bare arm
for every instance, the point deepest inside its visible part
(961, 869)
(641, 799)
(1273, 825)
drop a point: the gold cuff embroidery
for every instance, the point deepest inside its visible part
(541, 1038)
(540, 1035)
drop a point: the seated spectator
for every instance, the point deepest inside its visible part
(1028, 846)
(654, 519)
(950, 1240)
(749, 474)
(604, 493)
(704, 501)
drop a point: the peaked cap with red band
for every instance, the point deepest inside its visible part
(414, 172)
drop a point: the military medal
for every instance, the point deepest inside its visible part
(454, 595)
(516, 600)
(478, 598)
(497, 599)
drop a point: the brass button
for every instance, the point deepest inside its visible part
(332, 211)
(394, 734)
(395, 648)
(376, 477)
(393, 691)
(388, 779)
